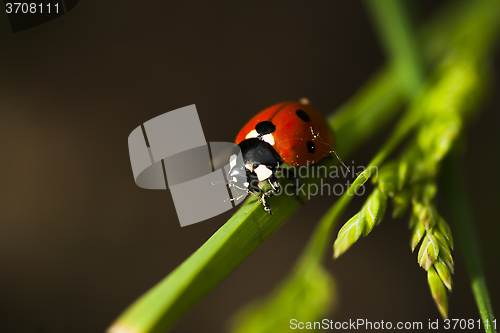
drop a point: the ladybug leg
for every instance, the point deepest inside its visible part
(276, 188)
(264, 203)
(296, 181)
(254, 189)
(275, 184)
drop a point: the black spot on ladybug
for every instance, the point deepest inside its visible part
(311, 147)
(303, 115)
(265, 127)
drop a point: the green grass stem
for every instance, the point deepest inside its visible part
(458, 205)
(391, 18)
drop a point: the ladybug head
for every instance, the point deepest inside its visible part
(259, 162)
(258, 153)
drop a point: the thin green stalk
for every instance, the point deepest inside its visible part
(391, 18)
(459, 208)
(393, 25)
(355, 118)
(321, 237)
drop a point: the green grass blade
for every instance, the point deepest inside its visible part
(303, 296)
(391, 18)
(159, 308)
(456, 198)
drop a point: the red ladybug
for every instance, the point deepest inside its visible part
(290, 132)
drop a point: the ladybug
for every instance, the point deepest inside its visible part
(289, 132)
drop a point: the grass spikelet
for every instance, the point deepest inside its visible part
(444, 273)
(417, 234)
(438, 291)
(429, 251)
(362, 223)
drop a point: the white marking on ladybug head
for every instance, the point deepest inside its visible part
(232, 161)
(252, 134)
(235, 179)
(269, 138)
(263, 172)
(246, 184)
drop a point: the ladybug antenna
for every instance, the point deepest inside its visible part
(234, 199)
(345, 166)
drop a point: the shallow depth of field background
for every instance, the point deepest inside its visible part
(79, 241)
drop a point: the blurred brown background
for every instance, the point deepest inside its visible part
(79, 241)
